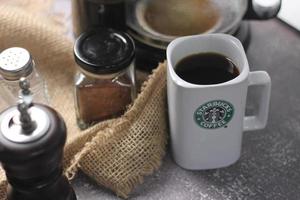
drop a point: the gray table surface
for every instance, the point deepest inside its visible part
(269, 167)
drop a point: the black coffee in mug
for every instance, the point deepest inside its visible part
(206, 69)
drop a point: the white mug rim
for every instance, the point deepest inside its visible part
(234, 41)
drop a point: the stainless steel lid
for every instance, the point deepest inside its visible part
(156, 23)
(15, 63)
(176, 15)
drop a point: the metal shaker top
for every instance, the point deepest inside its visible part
(15, 62)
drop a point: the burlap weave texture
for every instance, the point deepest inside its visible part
(116, 153)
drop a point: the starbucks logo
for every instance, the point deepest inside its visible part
(214, 114)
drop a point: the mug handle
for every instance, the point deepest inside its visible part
(263, 80)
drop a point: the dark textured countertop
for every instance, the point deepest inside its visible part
(269, 167)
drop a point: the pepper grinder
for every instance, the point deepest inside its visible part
(32, 137)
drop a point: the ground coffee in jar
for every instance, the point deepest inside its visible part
(105, 82)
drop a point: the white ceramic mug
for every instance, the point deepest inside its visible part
(200, 142)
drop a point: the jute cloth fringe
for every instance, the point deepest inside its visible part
(117, 153)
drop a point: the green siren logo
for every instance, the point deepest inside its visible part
(214, 114)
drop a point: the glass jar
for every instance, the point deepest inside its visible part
(105, 82)
(16, 63)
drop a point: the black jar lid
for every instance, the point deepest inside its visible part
(104, 51)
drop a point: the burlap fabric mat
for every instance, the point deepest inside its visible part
(116, 154)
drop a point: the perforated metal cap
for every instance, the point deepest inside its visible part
(15, 63)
